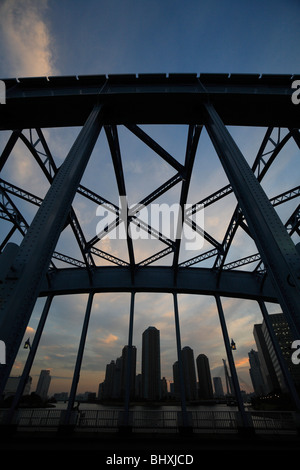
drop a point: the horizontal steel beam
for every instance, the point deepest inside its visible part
(203, 281)
(240, 99)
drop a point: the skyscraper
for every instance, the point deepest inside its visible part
(284, 340)
(108, 388)
(151, 364)
(256, 373)
(267, 368)
(117, 378)
(43, 384)
(219, 392)
(125, 354)
(204, 376)
(189, 373)
(176, 379)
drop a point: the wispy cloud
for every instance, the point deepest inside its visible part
(26, 38)
(110, 339)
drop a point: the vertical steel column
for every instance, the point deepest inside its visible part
(234, 376)
(21, 289)
(180, 365)
(283, 366)
(276, 248)
(30, 359)
(76, 374)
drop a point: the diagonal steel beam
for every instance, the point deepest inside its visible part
(113, 141)
(155, 146)
(35, 252)
(296, 136)
(8, 147)
(260, 166)
(50, 169)
(133, 213)
(277, 250)
(191, 149)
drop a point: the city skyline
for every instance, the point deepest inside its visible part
(168, 358)
(150, 385)
(145, 377)
(81, 38)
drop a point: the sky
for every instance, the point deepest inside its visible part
(64, 37)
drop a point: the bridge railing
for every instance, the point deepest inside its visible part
(148, 420)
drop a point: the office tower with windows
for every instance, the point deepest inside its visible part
(117, 378)
(284, 341)
(267, 367)
(43, 384)
(205, 385)
(108, 386)
(151, 374)
(219, 391)
(176, 380)
(128, 358)
(189, 373)
(256, 374)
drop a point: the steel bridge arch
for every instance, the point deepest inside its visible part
(213, 101)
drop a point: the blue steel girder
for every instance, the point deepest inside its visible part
(18, 296)
(260, 167)
(241, 99)
(277, 250)
(237, 284)
(113, 140)
(149, 99)
(191, 149)
(50, 169)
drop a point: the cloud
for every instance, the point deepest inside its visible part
(30, 330)
(110, 339)
(26, 38)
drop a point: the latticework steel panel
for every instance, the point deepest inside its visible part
(106, 104)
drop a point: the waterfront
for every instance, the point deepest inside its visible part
(148, 407)
(100, 430)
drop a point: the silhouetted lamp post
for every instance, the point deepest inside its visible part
(27, 344)
(233, 346)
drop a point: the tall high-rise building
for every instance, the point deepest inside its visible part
(43, 384)
(108, 386)
(117, 378)
(125, 354)
(205, 385)
(267, 367)
(151, 364)
(284, 340)
(189, 373)
(164, 388)
(219, 392)
(256, 373)
(176, 380)
(138, 386)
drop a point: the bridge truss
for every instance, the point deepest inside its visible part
(106, 105)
